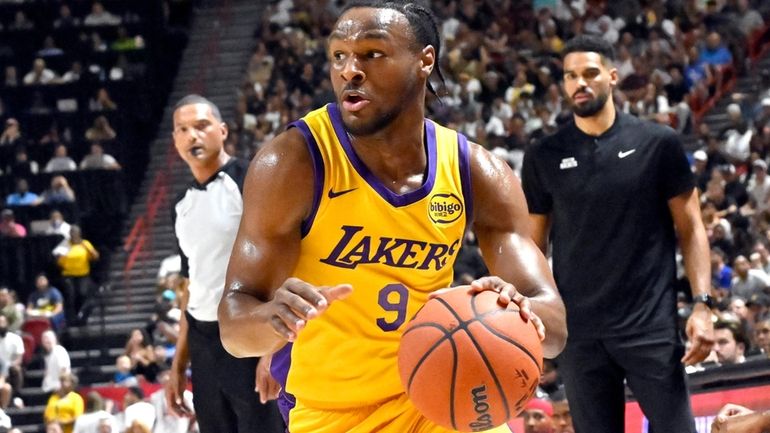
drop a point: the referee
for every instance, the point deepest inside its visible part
(614, 192)
(206, 218)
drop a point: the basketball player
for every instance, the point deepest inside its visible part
(611, 190)
(206, 219)
(355, 215)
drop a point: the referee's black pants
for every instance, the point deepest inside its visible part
(223, 386)
(594, 370)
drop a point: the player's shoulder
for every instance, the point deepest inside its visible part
(287, 149)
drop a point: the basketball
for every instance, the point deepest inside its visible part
(467, 363)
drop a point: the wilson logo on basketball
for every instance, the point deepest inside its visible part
(445, 208)
(481, 407)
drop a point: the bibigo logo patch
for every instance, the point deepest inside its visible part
(445, 208)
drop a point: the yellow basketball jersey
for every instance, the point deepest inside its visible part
(393, 249)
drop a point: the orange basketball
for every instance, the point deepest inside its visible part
(467, 363)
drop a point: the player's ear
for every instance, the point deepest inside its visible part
(427, 60)
(224, 130)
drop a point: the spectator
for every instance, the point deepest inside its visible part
(136, 409)
(165, 420)
(65, 405)
(714, 52)
(102, 101)
(21, 195)
(762, 336)
(60, 192)
(73, 74)
(40, 74)
(759, 186)
(730, 343)
(75, 265)
(9, 311)
(49, 48)
(21, 22)
(537, 416)
(65, 18)
(100, 17)
(9, 228)
(562, 419)
(168, 266)
(98, 160)
(60, 161)
(11, 353)
(57, 226)
(100, 130)
(56, 360)
(748, 19)
(46, 301)
(747, 281)
(93, 415)
(22, 167)
(11, 135)
(124, 42)
(123, 375)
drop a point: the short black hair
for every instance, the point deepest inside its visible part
(198, 99)
(590, 44)
(422, 21)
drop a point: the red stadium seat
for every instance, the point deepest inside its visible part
(35, 327)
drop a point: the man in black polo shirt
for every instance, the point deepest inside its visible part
(206, 219)
(610, 190)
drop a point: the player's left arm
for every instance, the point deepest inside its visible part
(685, 211)
(501, 223)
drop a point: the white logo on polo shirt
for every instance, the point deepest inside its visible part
(622, 154)
(568, 163)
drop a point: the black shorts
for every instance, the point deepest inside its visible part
(223, 386)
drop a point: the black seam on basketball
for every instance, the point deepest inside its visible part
(450, 309)
(498, 334)
(486, 361)
(452, 386)
(514, 342)
(427, 352)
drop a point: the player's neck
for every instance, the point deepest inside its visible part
(600, 122)
(203, 173)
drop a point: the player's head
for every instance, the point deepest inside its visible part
(382, 54)
(538, 415)
(199, 132)
(589, 75)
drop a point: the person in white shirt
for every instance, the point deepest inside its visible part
(94, 415)
(136, 409)
(165, 421)
(11, 352)
(57, 361)
(39, 74)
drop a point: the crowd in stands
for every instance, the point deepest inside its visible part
(67, 70)
(501, 66)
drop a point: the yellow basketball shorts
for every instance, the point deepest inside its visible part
(396, 415)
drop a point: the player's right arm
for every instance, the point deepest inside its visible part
(541, 225)
(263, 307)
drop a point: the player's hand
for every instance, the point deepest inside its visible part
(733, 418)
(508, 295)
(265, 384)
(177, 383)
(700, 333)
(296, 302)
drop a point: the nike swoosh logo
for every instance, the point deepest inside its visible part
(335, 194)
(622, 154)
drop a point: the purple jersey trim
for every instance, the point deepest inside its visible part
(397, 200)
(318, 173)
(465, 177)
(279, 368)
